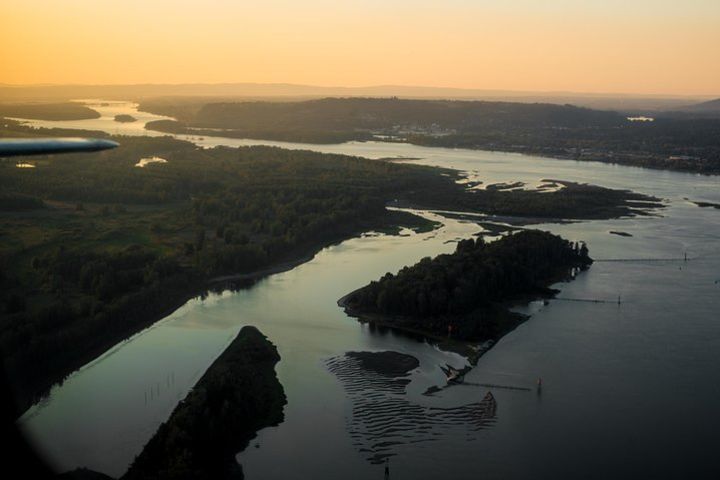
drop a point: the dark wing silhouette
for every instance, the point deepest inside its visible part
(11, 147)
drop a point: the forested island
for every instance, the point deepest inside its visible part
(48, 111)
(94, 249)
(124, 118)
(465, 295)
(562, 131)
(238, 395)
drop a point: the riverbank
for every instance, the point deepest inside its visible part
(28, 390)
(650, 160)
(556, 131)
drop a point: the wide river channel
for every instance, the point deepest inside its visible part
(629, 390)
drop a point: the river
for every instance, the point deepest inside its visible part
(629, 390)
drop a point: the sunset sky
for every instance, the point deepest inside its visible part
(613, 46)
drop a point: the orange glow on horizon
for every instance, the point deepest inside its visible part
(609, 46)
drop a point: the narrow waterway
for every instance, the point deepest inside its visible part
(636, 381)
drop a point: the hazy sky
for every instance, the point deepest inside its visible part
(635, 46)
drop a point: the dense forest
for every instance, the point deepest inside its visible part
(564, 131)
(238, 395)
(48, 111)
(94, 248)
(462, 293)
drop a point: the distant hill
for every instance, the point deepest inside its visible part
(382, 113)
(709, 110)
(333, 120)
(286, 91)
(712, 106)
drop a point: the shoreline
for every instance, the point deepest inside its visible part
(605, 158)
(265, 272)
(472, 351)
(36, 391)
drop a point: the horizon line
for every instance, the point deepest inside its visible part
(376, 86)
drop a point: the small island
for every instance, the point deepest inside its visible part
(124, 118)
(237, 396)
(466, 295)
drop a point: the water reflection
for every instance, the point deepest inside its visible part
(107, 109)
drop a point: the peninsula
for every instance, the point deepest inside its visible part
(238, 395)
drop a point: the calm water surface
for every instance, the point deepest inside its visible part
(629, 391)
(106, 122)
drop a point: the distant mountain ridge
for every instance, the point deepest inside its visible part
(381, 113)
(709, 106)
(286, 90)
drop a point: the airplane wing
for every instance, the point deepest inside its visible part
(11, 147)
